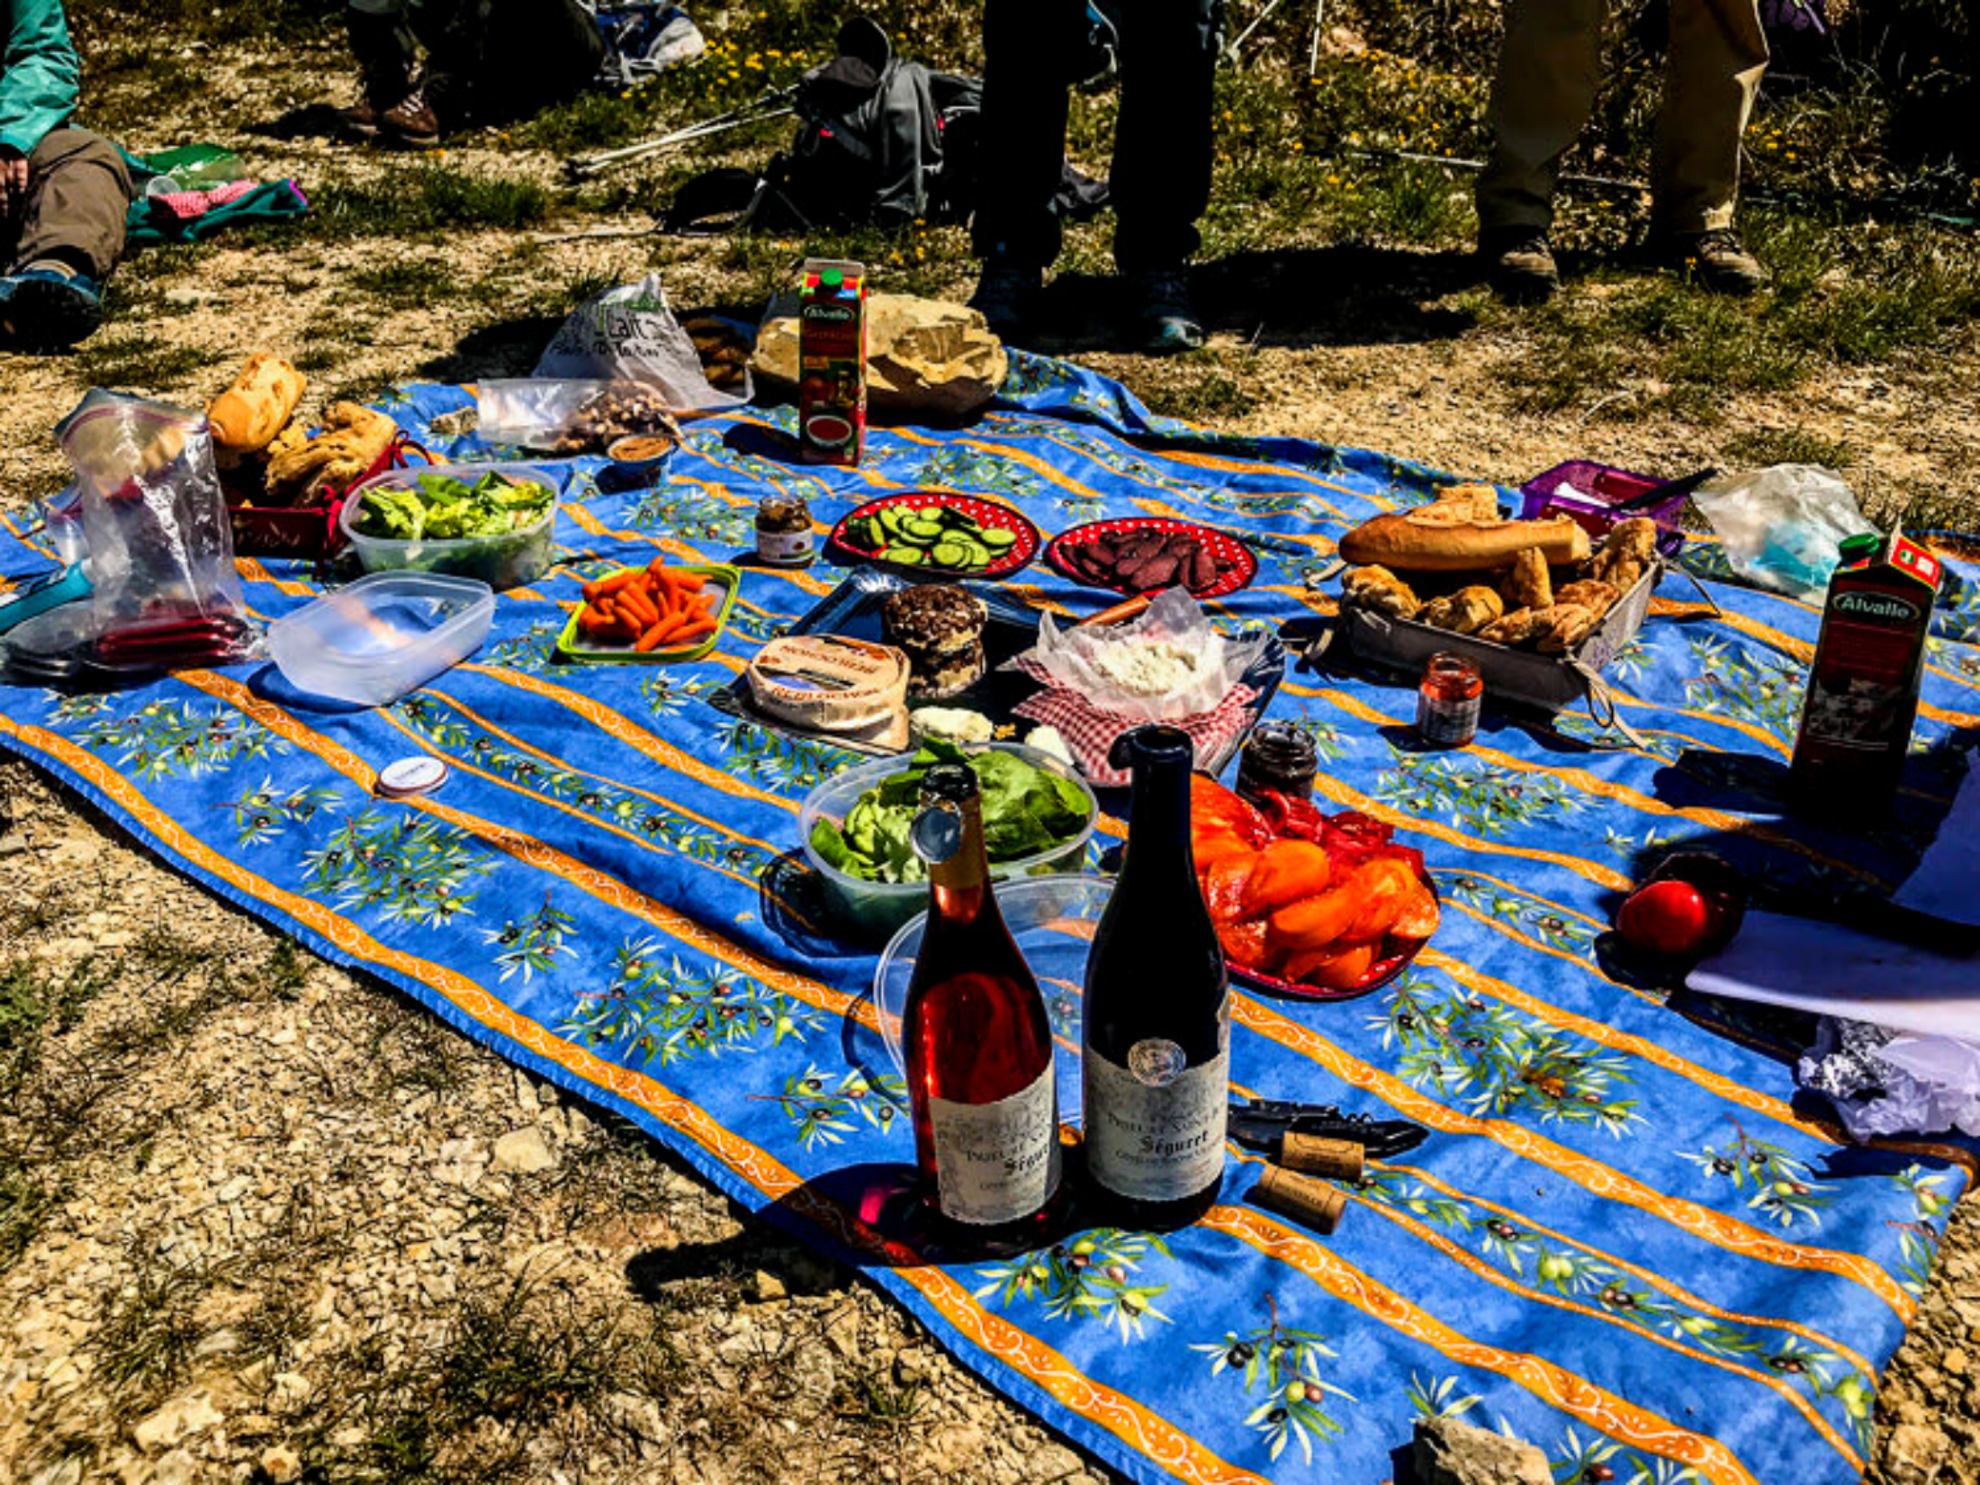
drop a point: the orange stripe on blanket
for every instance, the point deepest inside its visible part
(1340, 793)
(1121, 1415)
(1654, 1280)
(1595, 1406)
(1803, 651)
(532, 852)
(1622, 794)
(633, 736)
(1591, 1175)
(1559, 1302)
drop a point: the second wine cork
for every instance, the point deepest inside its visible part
(1339, 1160)
(1303, 1198)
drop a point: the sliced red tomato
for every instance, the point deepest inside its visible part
(1386, 884)
(1339, 967)
(1223, 887)
(1244, 943)
(1315, 922)
(1286, 871)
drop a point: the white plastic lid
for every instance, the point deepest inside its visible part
(415, 775)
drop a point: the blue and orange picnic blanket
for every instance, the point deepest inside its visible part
(1626, 1238)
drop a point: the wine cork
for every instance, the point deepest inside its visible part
(1315, 1155)
(1303, 1198)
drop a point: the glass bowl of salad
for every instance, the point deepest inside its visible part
(488, 521)
(1038, 815)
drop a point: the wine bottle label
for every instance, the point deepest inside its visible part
(996, 1162)
(1155, 1128)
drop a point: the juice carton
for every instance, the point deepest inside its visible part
(1863, 682)
(832, 362)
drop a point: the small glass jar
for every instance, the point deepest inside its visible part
(1448, 701)
(1280, 757)
(783, 531)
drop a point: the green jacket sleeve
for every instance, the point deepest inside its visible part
(38, 72)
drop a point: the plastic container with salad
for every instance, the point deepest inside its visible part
(486, 521)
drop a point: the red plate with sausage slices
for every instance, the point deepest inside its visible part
(1235, 562)
(983, 512)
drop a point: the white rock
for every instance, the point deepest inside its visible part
(280, 1464)
(523, 1151)
(179, 1419)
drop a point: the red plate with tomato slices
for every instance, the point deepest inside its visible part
(1234, 563)
(1277, 875)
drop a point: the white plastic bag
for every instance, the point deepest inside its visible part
(629, 334)
(1782, 527)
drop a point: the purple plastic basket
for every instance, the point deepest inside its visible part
(1597, 488)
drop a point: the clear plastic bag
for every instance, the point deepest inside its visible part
(1783, 527)
(154, 523)
(629, 334)
(570, 416)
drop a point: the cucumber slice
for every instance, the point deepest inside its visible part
(948, 554)
(997, 539)
(905, 555)
(922, 531)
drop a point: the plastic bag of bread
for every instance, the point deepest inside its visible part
(926, 359)
(627, 334)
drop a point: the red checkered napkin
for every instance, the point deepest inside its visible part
(1091, 733)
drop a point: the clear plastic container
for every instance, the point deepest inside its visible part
(1052, 919)
(385, 634)
(877, 909)
(502, 561)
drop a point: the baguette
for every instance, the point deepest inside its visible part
(1428, 539)
(257, 406)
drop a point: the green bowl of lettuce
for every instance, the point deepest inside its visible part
(1038, 815)
(488, 521)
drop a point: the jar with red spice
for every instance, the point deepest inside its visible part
(1448, 701)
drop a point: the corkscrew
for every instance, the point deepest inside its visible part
(1262, 1124)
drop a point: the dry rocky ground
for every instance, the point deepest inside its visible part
(259, 1217)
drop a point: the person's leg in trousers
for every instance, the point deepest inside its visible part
(1718, 54)
(1550, 65)
(70, 237)
(1163, 139)
(1163, 147)
(1022, 160)
(540, 53)
(382, 46)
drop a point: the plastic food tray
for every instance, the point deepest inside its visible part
(381, 636)
(1244, 560)
(572, 646)
(984, 512)
(506, 560)
(876, 909)
(1605, 486)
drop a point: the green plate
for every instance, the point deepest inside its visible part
(571, 648)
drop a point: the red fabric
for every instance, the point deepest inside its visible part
(1090, 733)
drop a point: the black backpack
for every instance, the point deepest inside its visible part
(880, 142)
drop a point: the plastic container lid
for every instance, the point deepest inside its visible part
(385, 634)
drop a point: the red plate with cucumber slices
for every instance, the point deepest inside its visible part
(930, 533)
(1145, 554)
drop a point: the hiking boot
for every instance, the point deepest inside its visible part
(1007, 297)
(383, 49)
(1164, 320)
(50, 309)
(1519, 263)
(411, 123)
(1716, 259)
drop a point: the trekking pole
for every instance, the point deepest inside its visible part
(580, 167)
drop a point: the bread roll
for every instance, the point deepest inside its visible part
(1592, 594)
(1527, 583)
(1464, 612)
(1442, 538)
(1478, 502)
(1380, 591)
(257, 406)
(1569, 625)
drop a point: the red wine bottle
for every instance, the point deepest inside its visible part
(1157, 1019)
(978, 1042)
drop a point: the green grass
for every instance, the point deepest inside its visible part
(1760, 446)
(140, 361)
(423, 202)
